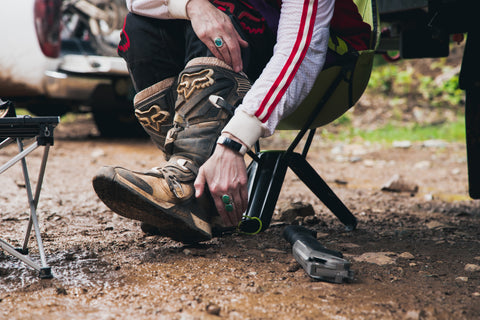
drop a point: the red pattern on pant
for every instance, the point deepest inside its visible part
(249, 18)
(124, 43)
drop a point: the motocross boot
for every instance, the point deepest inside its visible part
(154, 109)
(164, 197)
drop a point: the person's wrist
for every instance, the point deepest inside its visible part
(178, 8)
(233, 144)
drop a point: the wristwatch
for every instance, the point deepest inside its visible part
(232, 145)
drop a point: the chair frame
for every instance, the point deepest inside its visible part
(266, 173)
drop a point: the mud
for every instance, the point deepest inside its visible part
(410, 251)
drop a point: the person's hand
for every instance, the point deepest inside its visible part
(209, 24)
(225, 173)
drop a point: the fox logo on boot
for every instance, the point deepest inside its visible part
(152, 118)
(189, 82)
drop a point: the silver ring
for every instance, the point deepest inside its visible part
(218, 41)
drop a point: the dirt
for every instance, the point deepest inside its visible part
(415, 254)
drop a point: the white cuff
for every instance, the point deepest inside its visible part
(245, 127)
(178, 9)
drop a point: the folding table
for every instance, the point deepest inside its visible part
(13, 129)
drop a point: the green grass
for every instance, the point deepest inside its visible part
(448, 131)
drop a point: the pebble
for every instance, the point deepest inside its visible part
(463, 279)
(422, 164)
(379, 258)
(406, 255)
(434, 144)
(97, 153)
(213, 309)
(289, 211)
(293, 266)
(470, 267)
(398, 184)
(437, 225)
(405, 144)
(428, 197)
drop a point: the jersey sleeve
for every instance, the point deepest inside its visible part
(298, 57)
(160, 9)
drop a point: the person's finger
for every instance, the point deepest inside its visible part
(226, 215)
(237, 212)
(199, 183)
(236, 52)
(225, 50)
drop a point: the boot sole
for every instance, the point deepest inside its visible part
(168, 218)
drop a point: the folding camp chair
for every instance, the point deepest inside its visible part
(17, 128)
(336, 89)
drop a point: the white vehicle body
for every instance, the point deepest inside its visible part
(41, 84)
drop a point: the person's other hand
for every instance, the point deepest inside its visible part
(225, 173)
(209, 23)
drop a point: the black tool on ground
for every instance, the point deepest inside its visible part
(319, 262)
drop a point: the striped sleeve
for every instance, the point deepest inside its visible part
(299, 55)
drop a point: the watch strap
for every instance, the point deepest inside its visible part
(232, 145)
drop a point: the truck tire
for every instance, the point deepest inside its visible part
(114, 115)
(118, 123)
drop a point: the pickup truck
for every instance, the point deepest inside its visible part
(49, 70)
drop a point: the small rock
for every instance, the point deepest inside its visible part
(341, 182)
(422, 164)
(20, 183)
(398, 184)
(437, 225)
(355, 159)
(456, 171)
(213, 309)
(434, 144)
(338, 149)
(348, 245)
(369, 163)
(380, 258)
(97, 153)
(428, 197)
(413, 315)
(406, 255)
(187, 252)
(293, 266)
(61, 291)
(288, 212)
(472, 267)
(405, 144)
(476, 294)
(310, 220)
(462, 279)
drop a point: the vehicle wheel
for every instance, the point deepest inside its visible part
(118, 123)
(49, 108)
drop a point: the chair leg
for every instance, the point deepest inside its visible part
(319, 187)
(265, 180)
(472, 122)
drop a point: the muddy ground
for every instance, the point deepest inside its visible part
(415, 255)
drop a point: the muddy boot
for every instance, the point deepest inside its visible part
(165, 197)
(154, 197)
(154, 109)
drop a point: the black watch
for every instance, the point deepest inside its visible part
(232, 145)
